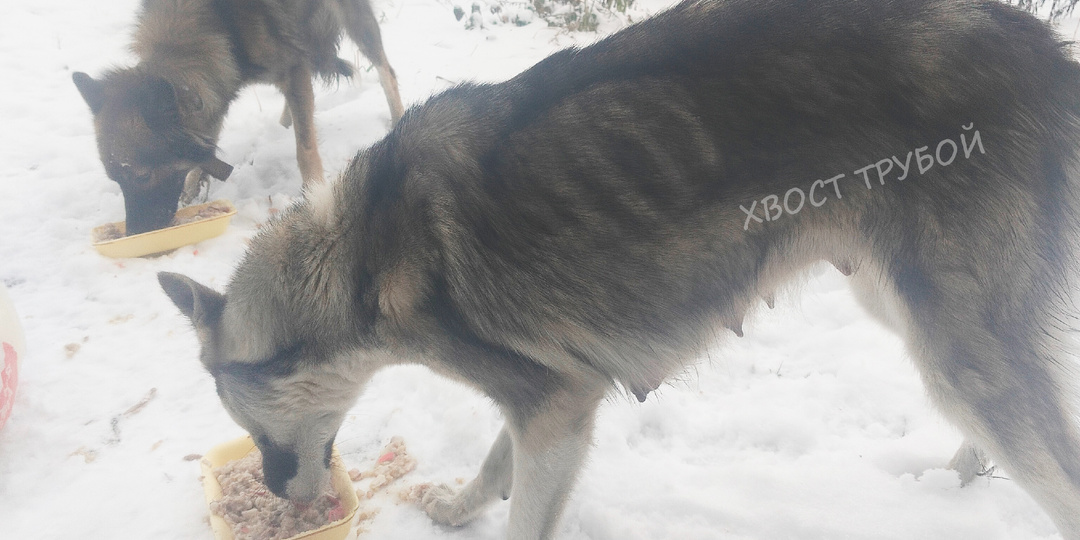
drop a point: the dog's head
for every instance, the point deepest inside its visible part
(310, 314)
(282, 347)
(143, 143)
(272, 381)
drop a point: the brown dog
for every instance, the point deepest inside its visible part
(158, 123)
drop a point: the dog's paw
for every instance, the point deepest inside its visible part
(195, 183)
(970, 462)
(440, 504)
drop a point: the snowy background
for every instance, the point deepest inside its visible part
(812, 426)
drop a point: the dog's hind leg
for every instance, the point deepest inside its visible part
(494, 481)
(989, 370)
(363, 29)
(300, 100)
(876, 296)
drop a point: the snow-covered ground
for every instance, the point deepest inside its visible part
(812, 426)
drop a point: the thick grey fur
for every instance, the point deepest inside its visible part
(577, 229)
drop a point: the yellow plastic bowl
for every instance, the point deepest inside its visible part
(238, 448)
(162, 240)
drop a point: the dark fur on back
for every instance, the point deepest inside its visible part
(597, 193)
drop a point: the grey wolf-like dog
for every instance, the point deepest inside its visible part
(583, 227)
(157, 123)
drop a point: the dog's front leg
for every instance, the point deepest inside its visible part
(193, 186)
(300, 100)
(549, 450)
(534, 461)
(970, 461)
(494, 480)
(286, 117)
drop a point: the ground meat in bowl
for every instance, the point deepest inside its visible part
(254, 513)
(210, 211)
(112, 231)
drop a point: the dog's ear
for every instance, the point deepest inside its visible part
(92, 90)
(217, 168)
(197, 302)
(406, 285)
(158, 105)
(400, 291)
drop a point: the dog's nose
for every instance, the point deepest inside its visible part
(146, 211)
(277, 488)
(308, 484)
(279, 466)
(302, 495)
(277, 475)
(140, 222)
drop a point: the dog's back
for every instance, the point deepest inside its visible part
(631, 159)
(263, 38)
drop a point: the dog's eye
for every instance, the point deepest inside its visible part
(126, 172)
(137, 174)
